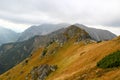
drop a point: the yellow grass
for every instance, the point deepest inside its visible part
(74, 61)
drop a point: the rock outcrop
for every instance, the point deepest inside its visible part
(41, 72)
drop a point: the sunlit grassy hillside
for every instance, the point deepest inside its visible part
(75, 61)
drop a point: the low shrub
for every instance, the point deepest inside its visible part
(110, 61)
(44, 52)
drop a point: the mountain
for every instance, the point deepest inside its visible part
(51, 52)
(71, 61)
(97, 34)
(7, 35)
(40, 30)
(13, 53)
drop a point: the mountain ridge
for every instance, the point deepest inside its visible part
(18, 51)
(74, 62)
(42, 29)
(97, 34)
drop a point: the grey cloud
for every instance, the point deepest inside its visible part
(115, 23)
(100, 12)
(23, 20)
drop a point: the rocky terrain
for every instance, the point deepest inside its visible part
(41, 72)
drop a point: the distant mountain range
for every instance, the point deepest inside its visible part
(96, 34)
(7, 35)
(40, 30)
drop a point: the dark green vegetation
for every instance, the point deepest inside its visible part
(44, 52)
(110, 61)
(13, 53)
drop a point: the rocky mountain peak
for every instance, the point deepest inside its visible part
(97, 34)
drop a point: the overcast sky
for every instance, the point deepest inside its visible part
(20, 14)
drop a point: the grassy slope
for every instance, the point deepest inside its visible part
(75, 62)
